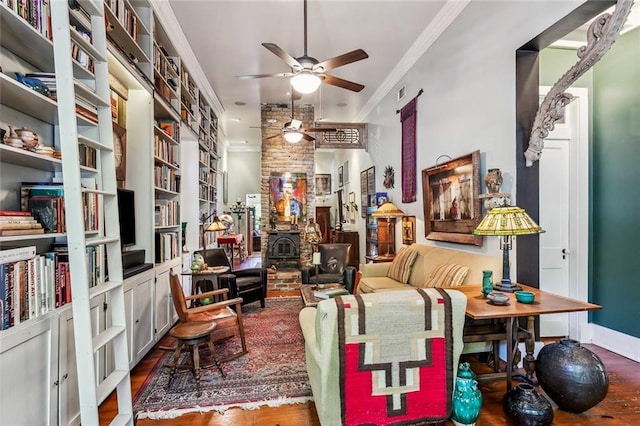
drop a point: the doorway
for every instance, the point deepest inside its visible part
(564, 206)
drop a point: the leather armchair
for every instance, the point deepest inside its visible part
(333, 268)
(249, 284)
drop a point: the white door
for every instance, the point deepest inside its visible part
(563, 214)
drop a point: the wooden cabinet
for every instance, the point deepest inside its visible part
(352, 238)
(323, 219)
(386, 236)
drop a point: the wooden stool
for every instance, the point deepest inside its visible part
(191, 335)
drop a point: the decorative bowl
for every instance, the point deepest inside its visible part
(498, 298)
(525, 296)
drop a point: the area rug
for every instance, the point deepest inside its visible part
(272, 373)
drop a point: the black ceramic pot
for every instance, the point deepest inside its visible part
(572, 375)
(526, 407)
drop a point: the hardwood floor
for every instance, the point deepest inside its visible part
(621, 407)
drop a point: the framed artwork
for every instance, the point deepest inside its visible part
(288, 196)
(340, 177)
(225, 187)
(371, 180)
(381, 198)
(408, 230)
(120, 151)
(323, 184)
(345, 172)
(452, 207)
(363, 193)
(353, 207)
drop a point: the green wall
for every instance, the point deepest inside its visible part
(615, 181)
(614, 103)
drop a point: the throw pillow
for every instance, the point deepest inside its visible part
(447, 274)
(400, 268)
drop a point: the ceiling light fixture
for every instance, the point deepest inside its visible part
(293, 137)
(305, 82)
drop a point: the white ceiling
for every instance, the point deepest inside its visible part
(226, 38)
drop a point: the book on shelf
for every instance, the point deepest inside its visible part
(329, 293)
(15, 232)
(16, 254)
(14, 213)
(4, 226)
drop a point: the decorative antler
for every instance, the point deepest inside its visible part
(601, 35)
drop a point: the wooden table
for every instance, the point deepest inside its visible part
(306, 291)
(545, 303)
(212, 272)
(231, 241)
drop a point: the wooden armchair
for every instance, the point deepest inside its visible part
(228, 321)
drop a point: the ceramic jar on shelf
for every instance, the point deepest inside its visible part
(493, 180)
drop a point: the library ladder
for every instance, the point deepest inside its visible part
(91, 85)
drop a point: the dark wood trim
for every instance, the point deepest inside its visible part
(527, 83)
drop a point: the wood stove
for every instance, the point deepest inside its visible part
(283, 247)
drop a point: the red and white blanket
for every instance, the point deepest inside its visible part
(396, 351)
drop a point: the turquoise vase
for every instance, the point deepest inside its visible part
(487, 282)
(467, 399)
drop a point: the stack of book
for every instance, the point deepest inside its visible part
(18, 223)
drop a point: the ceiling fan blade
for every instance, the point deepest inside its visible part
(308, 137)
(247, 77)
(290, 60)
(338, 61)
(319, 130)
(339, 82)
(274, 136)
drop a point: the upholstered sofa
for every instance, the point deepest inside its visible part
(370, 335)
(429, 259)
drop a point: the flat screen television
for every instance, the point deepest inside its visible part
(127, 216)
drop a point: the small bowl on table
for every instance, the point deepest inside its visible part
(525, 296)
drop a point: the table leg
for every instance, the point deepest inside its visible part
(510, 353)
(529, 360)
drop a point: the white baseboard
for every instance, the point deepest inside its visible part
(620, 343)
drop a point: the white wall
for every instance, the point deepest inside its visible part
(468, 78)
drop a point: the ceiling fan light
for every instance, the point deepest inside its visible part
(293, 137)
(305, 82)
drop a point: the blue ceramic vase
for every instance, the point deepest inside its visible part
(467, 399)
(487, 282)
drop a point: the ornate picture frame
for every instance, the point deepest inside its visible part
(323, 184)
(452, 208)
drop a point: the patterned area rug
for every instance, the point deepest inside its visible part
(272, 373)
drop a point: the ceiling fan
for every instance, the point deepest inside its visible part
(307, 72)
(292, 131)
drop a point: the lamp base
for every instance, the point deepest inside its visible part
(506, 286)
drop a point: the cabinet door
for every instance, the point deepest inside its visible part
(29, 373)
(68, 401)
(143, 335)
(163, 304)
(138, 299)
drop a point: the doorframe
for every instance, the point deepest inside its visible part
(578, 240)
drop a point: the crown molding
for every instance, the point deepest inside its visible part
(444, 18)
